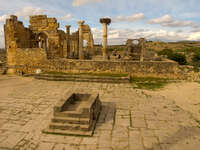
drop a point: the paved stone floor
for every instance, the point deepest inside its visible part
(130, 120)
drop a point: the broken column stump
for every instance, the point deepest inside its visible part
(75, 114)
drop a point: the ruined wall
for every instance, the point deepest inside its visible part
(158, 69)
(42, 23)
(55, 38)
(30, 56)
(16, 35)
(74, 45)
(87, 36)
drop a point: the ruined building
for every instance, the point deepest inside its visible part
(43, 33)
(135, 49)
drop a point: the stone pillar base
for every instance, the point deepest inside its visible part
(105, 56)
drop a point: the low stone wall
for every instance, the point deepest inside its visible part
(134, 68)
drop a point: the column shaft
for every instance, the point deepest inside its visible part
(68, 40)
(105, 40)
(81, 56)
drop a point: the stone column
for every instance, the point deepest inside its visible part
(68, 40)
(81, 56)
(142, 42)
(68, 29)
(105, 22)
(105, 40)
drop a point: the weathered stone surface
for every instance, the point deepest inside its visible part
(135, 49)
(135, 68)
(26, 105)
(75, 114)
(43, 33)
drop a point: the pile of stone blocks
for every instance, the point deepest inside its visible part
(75, 114)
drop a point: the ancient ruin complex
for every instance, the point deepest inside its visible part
(42, 46)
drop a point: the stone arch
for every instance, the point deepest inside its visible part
(43, 41)
(88, 37)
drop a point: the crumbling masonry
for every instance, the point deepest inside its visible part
(43, 33)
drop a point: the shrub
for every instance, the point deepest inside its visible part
(180, 58)
(196, 60)
(165, 51)
(111, 49)
(196, 57)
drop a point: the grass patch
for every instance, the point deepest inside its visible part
(90, 74)
(149, 83)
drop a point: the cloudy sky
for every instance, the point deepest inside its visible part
(163, 20)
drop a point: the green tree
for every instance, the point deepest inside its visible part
(180, 58)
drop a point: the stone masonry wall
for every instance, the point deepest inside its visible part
(30, 56)
(135, 68)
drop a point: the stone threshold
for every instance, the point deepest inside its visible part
(80, 78)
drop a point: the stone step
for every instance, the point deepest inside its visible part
(83, 78)
(70, 120)
(72, 114)
(68, 126)
(68, 132)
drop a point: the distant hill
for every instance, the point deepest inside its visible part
(158, 45)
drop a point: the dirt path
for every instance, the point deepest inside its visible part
(185, 94)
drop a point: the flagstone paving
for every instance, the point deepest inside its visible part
(130, 119)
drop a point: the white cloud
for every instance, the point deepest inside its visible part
(194, 36)
(24, 13)
(66, 17)
(120, 36)
(161, 20)
(29, 11)
(196, 30)
(3, 18)
(77, 3)
(169, 21)
(132, 18)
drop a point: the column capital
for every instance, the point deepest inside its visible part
(68, 26)
(106, 21)
(81, 22)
